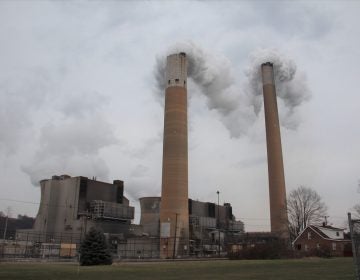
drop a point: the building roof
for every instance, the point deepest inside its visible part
(321, 233)
(330, 227)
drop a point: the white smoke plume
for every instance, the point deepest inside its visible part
(239, 106)
(213, 75)
(72, 143)
(71, 147)
(291, 87)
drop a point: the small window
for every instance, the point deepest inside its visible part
(337, 233)
(306, 247)
(318, 246)
(309, 235)
(298, 247)
(168, 82)
(334, 246)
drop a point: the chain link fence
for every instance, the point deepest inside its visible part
(35, 245)
(28, 244)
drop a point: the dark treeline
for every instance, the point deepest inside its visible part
(21, 222)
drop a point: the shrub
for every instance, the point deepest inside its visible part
(94, 250)
(323, 252)
(269, 250)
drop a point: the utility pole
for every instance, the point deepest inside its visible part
(218, 220)
(6, 223)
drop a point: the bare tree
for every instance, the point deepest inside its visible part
(305, 208)
(356, 211)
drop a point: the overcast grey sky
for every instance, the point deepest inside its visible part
(78, 96)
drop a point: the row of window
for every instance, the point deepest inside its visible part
(176, 81)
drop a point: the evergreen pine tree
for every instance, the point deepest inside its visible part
(94, 250)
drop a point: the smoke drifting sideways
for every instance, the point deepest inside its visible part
(238, 105)
(291, 87)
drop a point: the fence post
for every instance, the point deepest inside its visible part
(26, 245)
(16, 247)
(354, 247)
(71, 237)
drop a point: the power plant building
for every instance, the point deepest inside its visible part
(69, 206)
(171, 226)
(210, 225)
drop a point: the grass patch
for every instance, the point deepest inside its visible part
(309, 269)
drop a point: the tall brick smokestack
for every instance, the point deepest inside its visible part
(278, 209)
(174, 212)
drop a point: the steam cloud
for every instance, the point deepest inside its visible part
(72, 144)
(239, 106)
(292, 89)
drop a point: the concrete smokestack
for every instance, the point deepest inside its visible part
(278, 209)
(174, 212)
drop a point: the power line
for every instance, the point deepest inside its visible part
(21, 201)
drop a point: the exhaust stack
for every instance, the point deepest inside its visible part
(277, 190)
(174, 212)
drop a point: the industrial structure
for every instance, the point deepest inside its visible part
(210, 227)
(69, 206)
(277, 191)
(150, 215)
(171, 226)
(174, 214)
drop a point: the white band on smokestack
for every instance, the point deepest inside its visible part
(176, 70)
(267, 73)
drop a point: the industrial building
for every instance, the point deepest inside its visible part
(210, 225)
(171, 225)
(69, 206)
